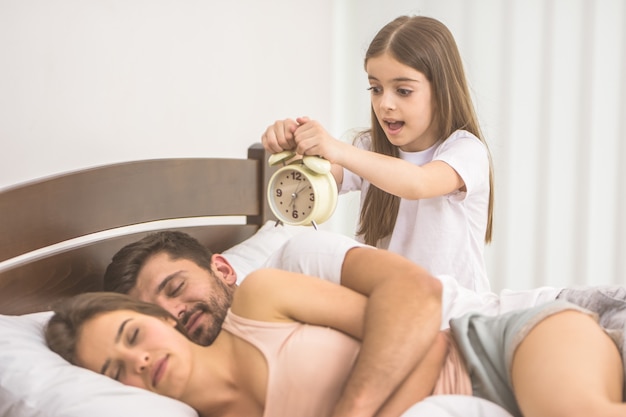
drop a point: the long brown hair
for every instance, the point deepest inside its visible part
(64, 328)
(426, 45)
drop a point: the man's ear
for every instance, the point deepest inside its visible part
(224, 270)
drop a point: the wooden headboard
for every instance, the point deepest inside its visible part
(81, 218)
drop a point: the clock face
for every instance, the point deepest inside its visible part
(292, 196)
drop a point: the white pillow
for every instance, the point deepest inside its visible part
(250, 254)
(35, 382)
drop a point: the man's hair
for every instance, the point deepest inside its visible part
(64, 328)
(121, 274)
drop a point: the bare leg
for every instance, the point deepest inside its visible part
(568, 366)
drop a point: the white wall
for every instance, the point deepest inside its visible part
(85, 83)
(549, 83)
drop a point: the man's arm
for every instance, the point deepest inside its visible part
(403, 312)
(402, 319)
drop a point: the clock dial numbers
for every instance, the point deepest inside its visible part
(302, 192)
(293, 195)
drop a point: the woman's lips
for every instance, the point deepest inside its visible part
(159, 370)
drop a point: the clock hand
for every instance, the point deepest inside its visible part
(294, 195)
(298, 189)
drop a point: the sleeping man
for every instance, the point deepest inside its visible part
(177, 272)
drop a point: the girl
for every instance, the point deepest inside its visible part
(423, 169)
(277, 356)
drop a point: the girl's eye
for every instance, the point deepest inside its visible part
(375, 90)
(117, 374)
(404, 91)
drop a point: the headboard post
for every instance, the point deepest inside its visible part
(257, 152)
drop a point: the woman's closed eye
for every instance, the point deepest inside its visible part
(132, 337)
(404, 91)
(118, 372)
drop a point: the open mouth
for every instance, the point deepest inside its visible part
(393, 126)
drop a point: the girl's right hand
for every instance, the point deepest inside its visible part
(280, 136)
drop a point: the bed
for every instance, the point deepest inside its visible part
(57, 235)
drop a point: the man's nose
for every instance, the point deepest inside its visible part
(174, 307)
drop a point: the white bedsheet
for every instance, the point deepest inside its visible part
(455, 406)
(458, 300)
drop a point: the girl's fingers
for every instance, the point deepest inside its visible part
(302, 120)
(270, 142)
(279, 136)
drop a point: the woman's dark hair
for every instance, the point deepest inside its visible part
(64, 328)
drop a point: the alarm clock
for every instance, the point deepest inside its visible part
(303, 191)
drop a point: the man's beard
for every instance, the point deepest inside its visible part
(216, 309)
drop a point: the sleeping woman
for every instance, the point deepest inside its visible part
(289, 341)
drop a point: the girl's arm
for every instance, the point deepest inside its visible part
(390, 174)
(399, 177)
(393, 175)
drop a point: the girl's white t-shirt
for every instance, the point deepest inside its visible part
(443, 234)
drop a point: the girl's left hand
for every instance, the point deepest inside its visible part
(278, 137)
(312, 139)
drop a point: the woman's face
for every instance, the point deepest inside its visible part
(137, 350)
(402, 101)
